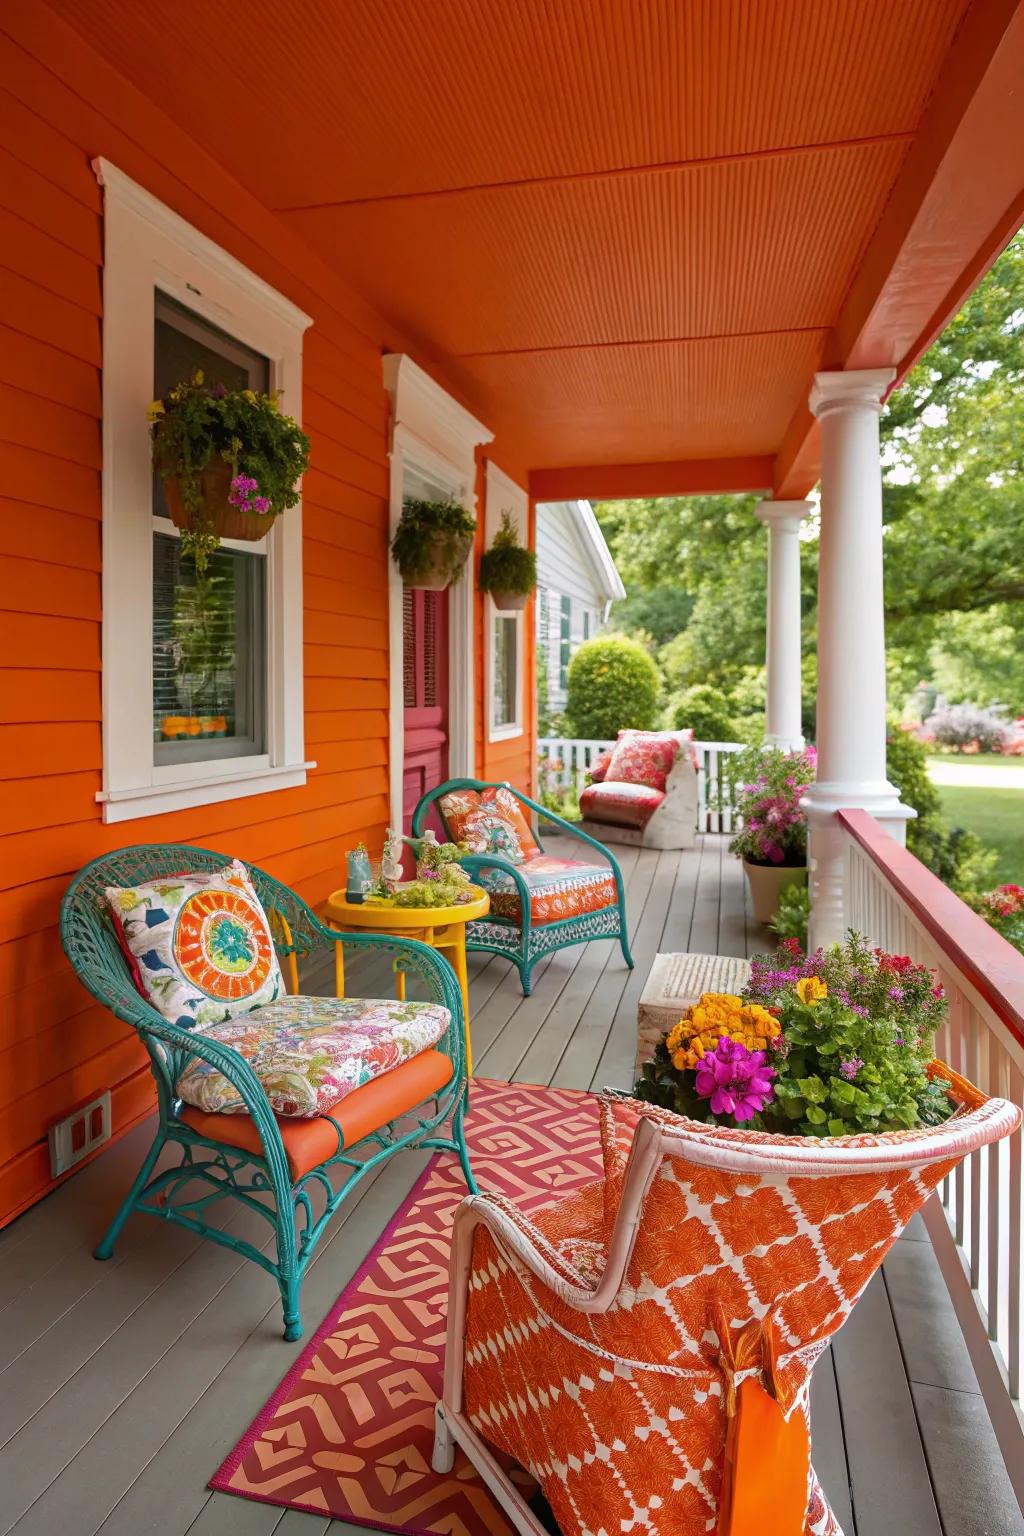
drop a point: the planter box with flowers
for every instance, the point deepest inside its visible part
(230, 461)
(431, 543)
(773, 839)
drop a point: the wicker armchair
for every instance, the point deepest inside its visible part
(279, 1168)
(527, 899)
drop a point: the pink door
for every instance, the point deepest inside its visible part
(425, 672)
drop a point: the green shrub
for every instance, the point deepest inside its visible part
(613, 684)
(706, 711)
(956, 856)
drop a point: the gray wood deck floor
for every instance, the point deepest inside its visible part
(123, 1385)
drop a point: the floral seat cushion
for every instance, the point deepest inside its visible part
(559, 888)
(620, 805)
(489, 822)
(199, 946)
(309, 1052)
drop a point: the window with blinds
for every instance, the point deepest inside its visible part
(209, 629)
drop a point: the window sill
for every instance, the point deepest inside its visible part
(156, 799)
(504, 732)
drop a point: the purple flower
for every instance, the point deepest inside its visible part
(261, 504)
(735, 1080)
(898, 993)
(850, 1068)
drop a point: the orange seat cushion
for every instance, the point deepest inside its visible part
(308, 1143)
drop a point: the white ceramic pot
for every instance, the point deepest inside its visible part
(767, 883)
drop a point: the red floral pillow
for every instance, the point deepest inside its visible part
(643, 757)
(489, 823)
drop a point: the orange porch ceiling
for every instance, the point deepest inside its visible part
(626, 231)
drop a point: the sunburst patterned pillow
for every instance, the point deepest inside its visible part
(200, 946)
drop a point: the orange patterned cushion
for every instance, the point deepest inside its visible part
(643, 757)
(491, 822)
(559, 888)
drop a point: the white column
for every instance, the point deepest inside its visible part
(783, 725)
(851, 716)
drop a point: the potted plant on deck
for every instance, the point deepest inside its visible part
(507, 570)
(230, 461)
(773, 839)
(431, 543)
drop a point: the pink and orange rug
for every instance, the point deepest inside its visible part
(349, 1431)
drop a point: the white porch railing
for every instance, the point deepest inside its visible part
(899, 905)
(567, 761)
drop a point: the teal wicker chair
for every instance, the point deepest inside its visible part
(296, 1202)
(512, 928)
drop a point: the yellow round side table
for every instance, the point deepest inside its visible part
(440, 927)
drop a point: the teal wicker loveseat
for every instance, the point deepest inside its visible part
(527, 897)
(251, 1157)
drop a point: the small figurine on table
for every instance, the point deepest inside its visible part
(391, 860)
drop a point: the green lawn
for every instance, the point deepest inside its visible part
(988, 759)
(996, 815)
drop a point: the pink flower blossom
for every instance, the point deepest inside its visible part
(737, 1081)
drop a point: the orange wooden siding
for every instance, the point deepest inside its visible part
(60, 106)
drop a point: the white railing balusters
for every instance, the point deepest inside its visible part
(899, 906)
(566, 761)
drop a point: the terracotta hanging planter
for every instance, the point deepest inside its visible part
(228, 522)
(767, 883)
(510, 602)
(448, 552)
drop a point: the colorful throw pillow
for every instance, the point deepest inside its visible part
(200, 946)
(643, 757)
(491, 822)
(309, 1052)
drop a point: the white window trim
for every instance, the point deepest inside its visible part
(435, 435)
(502, 494)
(148, 247)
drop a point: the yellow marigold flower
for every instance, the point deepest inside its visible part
(724, 1000)
(675, 1037)
(681, 1060)
(250, 395)
(811, 989)
(155, 409)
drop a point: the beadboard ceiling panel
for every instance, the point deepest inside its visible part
(751, 245)
(609, 405)
(329, 100)
(625, 230)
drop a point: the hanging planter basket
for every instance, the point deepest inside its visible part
(227, 522)
(510, 602)
(446, 553)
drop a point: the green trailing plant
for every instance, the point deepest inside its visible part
(196, 427)
(432, 538)
(613, 685)
(507, 566)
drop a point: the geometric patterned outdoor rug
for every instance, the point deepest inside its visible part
(350, 1429)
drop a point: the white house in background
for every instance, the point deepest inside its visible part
(576, 585)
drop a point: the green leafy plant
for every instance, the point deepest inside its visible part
(507, 566)
(613, 684)
(195, 427)
(791, 919)
(955, 855)
(432, 538)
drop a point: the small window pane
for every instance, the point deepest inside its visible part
(505, 693)
(208, 655)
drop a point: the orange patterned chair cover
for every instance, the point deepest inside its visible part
(645, 1347)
